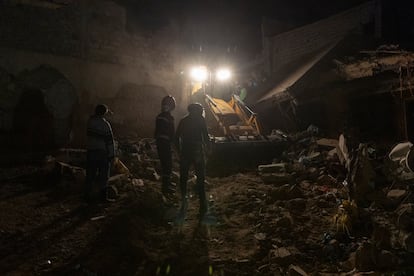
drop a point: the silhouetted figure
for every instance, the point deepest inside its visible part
(164, 135)
(191, 141)
(100, 152)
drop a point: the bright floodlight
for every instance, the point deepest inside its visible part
(223, 74)
(199, 73)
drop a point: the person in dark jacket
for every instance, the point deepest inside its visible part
(164, 134)
(192, 141)
(100, 152)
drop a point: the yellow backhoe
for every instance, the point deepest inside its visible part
(237, 135)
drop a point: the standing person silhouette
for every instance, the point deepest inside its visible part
(164, 135)
(192, 141)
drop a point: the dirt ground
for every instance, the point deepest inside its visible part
(263, 229)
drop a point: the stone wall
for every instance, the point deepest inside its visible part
(86, 41)
(282, 50)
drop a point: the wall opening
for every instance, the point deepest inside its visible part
(32, 122)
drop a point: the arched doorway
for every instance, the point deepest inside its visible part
(32, 122)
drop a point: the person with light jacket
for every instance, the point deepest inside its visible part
(100, 152)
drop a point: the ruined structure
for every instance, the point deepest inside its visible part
(322, 75)
(68, 55)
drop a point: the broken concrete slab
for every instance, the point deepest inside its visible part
(325, 142)
(395, 197)
(284, 255)
(295, 270)
(272, 168)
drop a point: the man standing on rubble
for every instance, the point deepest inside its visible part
(191, 141)
(164, 134)
(100, 152)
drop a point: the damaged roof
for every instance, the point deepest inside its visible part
(292, 54)
(300, 71)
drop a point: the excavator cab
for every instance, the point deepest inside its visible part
(235, 131)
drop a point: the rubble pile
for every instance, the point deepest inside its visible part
(333, 208)
(323, 207)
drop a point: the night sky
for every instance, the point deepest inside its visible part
(235, 24)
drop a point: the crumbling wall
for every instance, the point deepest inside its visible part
(43, 94)
(87, 43)
(284, 49)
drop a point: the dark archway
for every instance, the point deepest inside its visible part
(32, 122)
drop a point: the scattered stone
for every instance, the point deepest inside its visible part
(284, 255)
(112, 192)
(408, 242)
(295, 270)
(381, 236)
(118, 167)
(325, 142)
(118, 180)
(276, 178)
(386, 260)
(286, 192)
(285, 221)
(322, 203)
(405, 217)
(137, 182)
(296, 205)
(365, 257)
(326, 180)
(272, 168)
(312, 173)
(260, 236)
(305, 184)
(395, 197)
(152, 173)
(175, 177)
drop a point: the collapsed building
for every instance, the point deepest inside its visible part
(59, 58)
(335, 74)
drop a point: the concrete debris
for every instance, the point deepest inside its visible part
(119, 167)
(325, 142)
(112, 192)
(377, 62)
(260, 236)
(272, 168)
(405, 217)
(396, 196)
(295, 270)
(153, 173)
(408, 242)
(137, 182)
(284, 255)
(276, 178)
(340, 186)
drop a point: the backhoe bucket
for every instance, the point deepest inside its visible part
(229, 157)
